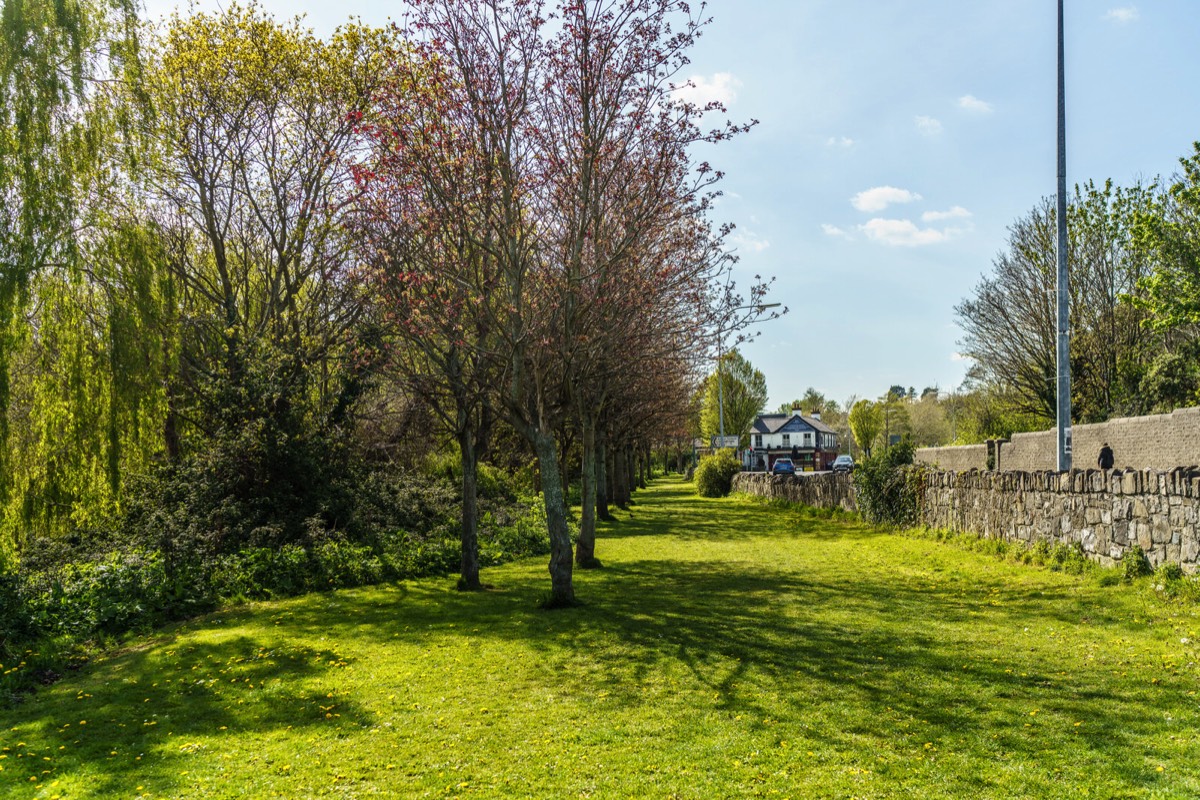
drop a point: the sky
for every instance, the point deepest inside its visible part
(897, 142)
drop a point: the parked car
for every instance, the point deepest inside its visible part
(843, 464)
(783, 466)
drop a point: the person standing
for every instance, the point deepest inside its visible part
(1106, 457)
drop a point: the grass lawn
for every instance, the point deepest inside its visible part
(727, 649)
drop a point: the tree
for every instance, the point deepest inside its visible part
(866, 423)
(1169, 235)
(68, 424)
(741, 395)
(1010, 319)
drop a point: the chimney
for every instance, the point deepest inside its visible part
(816, 414)
(796, 412)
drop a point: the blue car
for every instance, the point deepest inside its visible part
(783, 466)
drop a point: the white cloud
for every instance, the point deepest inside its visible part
(844, 142)
(969, 102)
(836, 232)
(748, 241)
(1123, 16)
(905, 233)
(721, 88)
(928, 126)
(958, 212)
(880, 197)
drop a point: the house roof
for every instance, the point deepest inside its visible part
(773, 423)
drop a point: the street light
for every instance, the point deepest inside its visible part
(1063, 410)
(760, 307)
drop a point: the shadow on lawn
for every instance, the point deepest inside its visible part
(784, 646)
(903, 658)
(206, 689)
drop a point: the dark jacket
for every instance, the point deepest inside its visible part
(1106, 458)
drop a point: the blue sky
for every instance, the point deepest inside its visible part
(898, 140)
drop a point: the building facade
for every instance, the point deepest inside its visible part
(809, 443)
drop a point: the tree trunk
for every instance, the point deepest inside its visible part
(469, 580)
(602, 473)
(562, 592)
(630, 469)
(585, 550)
(643, 459)
(620, 483)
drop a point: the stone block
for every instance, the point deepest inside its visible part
(1172, 553)
(1106, 516)
(1120, 532)
(1160, 531)
(1089, 541)
(1144, 539)
(1190, 548)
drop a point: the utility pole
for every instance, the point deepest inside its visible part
(1064, 314)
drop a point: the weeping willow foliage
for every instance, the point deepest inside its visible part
(63, 419)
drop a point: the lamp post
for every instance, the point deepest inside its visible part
(720, 357)
(1064, 319)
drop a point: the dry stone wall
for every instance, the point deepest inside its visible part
(818, 490)
(1105, 513)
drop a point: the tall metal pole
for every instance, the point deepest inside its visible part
(720, 389)
(1064, 337)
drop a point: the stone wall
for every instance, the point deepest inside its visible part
(1105, 513)
(818, 489)
(1158, 442)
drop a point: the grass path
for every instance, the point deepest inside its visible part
(727, 649)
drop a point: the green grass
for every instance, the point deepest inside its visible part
(727, 649)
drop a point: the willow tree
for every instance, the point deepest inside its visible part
(67, 412)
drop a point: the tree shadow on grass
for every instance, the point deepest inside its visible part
(122, 729)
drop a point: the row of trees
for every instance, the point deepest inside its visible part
(252, 258)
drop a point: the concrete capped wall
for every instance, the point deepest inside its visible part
(1158, 442)
(957, 459)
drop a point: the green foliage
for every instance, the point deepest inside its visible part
(866, 422)
(888, 487)
(1010, 328)
(818, 622)
(742, 396)
(1173, 379)
(714, 475)
(1134, 564)
(1171, 237)
(168, 564)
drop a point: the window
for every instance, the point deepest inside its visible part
(787, 439)
(808, 440)
(758, 441)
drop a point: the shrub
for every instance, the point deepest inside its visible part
(714, 475)
(889, 488)
(1134, 564)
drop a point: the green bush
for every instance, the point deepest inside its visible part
(1134, 564)
(888, 488)
(714, 475)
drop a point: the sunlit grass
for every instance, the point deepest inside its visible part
(727, 649)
